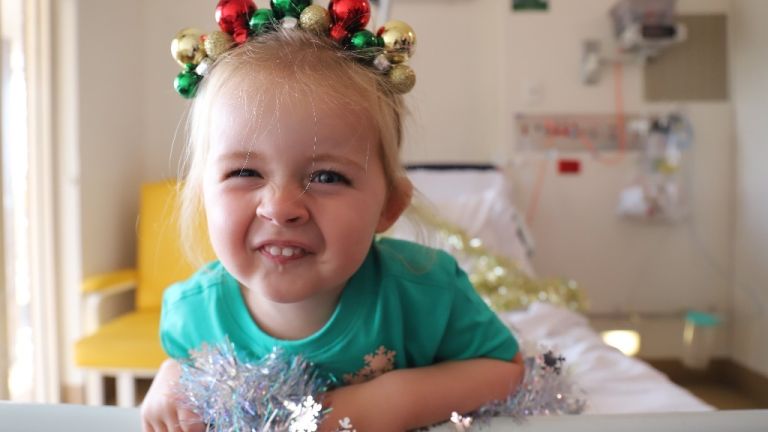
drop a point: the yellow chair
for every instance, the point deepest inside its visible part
(127, 346)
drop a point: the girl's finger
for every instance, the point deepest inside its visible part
(158, 427)
(190, 422)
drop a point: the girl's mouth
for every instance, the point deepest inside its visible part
(283, 251)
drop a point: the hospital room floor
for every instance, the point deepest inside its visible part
(723, 397)
(712, 387)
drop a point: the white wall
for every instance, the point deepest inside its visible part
(625, 267)
(749, 86)
(162, 109)
(457, 106)
(98, 148)
(110, 131)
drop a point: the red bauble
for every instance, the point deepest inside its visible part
(339, 34)
(233, 17)
(352, 15)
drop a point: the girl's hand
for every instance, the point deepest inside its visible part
(370, 407)
(160, 412)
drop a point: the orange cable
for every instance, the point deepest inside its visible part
(533, 201)
(618, 86)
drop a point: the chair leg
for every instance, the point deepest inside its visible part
(126, 390)
(94, 388)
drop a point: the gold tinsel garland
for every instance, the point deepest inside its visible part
(498, 279)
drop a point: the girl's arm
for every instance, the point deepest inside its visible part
(411, 398)
(159, 410)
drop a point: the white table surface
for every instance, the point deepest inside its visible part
(15, 417)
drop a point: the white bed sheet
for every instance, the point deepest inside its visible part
(614, 383)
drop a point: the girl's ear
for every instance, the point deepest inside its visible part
(397, 201)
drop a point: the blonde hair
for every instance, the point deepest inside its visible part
(306, 64)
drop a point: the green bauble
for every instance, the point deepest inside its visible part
(363, 40)
(262, 21)
(365, 44)
(186, 83)
(283, 8)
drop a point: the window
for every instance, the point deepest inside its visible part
(29, 297)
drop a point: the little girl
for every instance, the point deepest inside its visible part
(294, 168)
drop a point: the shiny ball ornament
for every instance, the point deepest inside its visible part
(204, 66)
(365, 44)
(293, 8)
(402, 78)
(339, 34)
(289, 22)
(399, 40)
(381, 63)
(352, 15)
(363, 39)
(315, 19)
(233, 17)
(187, 47)
(262, 21)
(186, 83)
(217, 43)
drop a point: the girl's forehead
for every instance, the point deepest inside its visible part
(249, 119)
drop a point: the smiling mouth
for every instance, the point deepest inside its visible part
(283, 252)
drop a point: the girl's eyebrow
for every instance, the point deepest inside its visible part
(244, 156)
(338, 158)
(237, 155)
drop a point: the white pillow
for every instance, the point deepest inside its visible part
(477, 201)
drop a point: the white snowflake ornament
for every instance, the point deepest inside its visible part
(305, 415)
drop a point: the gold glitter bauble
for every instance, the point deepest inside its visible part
(399, 40)
(217, 43)
(315, 19)
(402, 78)
(187, 47)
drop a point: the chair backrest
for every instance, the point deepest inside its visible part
(161, 260)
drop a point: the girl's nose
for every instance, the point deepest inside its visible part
(283, 206)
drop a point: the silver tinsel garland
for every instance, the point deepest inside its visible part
(280, 393)
(276, 393)
(545, 390)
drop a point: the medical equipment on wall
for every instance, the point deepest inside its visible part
(657, 193)
(566, 133)
(658, 143)
(642, 29)
(646, 26)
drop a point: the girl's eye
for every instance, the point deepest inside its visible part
(244, 172)
(328, 177)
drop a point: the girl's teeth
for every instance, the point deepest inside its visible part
(286, 252)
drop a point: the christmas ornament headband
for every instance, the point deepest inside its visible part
(344, 22)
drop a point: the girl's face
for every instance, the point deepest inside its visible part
(294, 191)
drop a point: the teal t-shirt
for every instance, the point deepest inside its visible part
(407, 306)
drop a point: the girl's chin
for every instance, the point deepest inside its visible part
(283, 291)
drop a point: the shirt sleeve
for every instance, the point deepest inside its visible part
(171, 330)
(473, 330)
